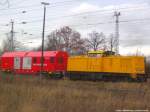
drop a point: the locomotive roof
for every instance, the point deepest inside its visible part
(12, 54)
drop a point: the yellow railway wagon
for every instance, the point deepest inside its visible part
(132, 66)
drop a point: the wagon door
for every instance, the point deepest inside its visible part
(17, 61)
(27, 61)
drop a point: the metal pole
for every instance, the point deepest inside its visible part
(43, 35)
(12, 35)
(111, 44)
(117, 14)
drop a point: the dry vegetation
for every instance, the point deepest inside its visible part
(28, 94)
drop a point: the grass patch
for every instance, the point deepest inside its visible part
(29, 94)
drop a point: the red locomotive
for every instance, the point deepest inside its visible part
(30, 62)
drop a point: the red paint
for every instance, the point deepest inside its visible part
(54, 61)
(7, 60)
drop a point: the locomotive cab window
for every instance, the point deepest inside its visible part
(52, 59)
(60, 60)
(34, 60)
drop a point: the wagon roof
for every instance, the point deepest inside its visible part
(31, 53)
(46, 53)
(14, 54)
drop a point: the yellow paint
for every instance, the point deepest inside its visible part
(111, 64)
(96, 52)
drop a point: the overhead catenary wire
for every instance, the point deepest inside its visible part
(55, 4)
(18, 2)
(34, 21)
(92, 24)
(36, 5)
(100, 23)
(66, 16)
(69, 16)
(5, 2)
(82, 25)
(124, 8)
(108, 22)
(97, 11)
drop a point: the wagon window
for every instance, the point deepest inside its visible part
(60, 60)
(52, 59)
(34, 60)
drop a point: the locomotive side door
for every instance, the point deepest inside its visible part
(27, 61)
(17, 61)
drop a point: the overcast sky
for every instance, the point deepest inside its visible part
(83, 16)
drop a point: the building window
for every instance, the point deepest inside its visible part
(60, 60)
(52, 59)
(34, 60)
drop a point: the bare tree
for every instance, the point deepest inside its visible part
(66, 34)
(70, 38)
(77, 45)
(96, 40)
(65, 39)
(111, 43)
(6, 46)
(18, 45)
(54, 41)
